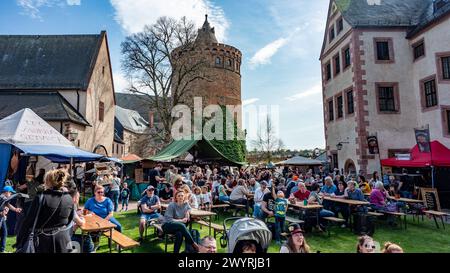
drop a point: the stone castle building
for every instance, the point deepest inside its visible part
(220, 64)
(385, 71)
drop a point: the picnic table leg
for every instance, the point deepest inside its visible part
(210, 223)
(110, 240)
(82, 242)
(406, 224)
(443, 223)
(435, 220)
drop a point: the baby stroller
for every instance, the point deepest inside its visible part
(244, 230)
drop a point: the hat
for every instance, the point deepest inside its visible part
(8, 189)
(150, 188)
(295, 228)
(295, 178)
(263, 183)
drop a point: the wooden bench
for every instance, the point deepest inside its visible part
(121, 240)
(238, 207)
(218, 229)
(218, 207)
(376, 214)
(398, 215)
(437, 214)
(333, 220)
(292, 220)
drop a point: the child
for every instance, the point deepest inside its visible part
(206, 197)
(4, 209)
(125, 194)
(199, 197)
(281, 206)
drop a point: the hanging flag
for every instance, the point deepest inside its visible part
(372, 142)
(423, 139)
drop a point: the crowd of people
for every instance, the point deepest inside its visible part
(264, 193)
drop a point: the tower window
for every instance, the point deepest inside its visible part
(218, 61)
(230, 63)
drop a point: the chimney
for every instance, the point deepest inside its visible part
(151, 119)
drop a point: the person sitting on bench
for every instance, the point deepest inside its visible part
(150, 205)
(174, 222)
(240, 194)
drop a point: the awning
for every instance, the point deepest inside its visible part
(59, 154)
(175, 149)
(439, 157)
(203, 149)
(300, 161)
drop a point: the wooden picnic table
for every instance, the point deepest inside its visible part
(196, 213)
(405, 200)
(302, 207)
(346, 201)
(94, 223)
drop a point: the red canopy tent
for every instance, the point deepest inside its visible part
(439, 157)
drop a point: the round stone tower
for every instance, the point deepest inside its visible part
(220, 81)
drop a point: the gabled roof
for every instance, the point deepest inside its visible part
(131, 120)
(50, 106)
(48, 62)
(388, 13)
(429, 16)
(300, 161)
(139, 103)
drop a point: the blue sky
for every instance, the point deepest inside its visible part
(280, 41)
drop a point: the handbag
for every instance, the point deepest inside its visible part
(29, 245)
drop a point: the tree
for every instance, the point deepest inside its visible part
(266, 141)
(155, 71)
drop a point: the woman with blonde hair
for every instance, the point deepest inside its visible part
(49, 217)
(365, 245)
(392, 248)
(189, 197)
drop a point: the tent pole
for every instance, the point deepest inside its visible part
(432, 177)
(71, 167)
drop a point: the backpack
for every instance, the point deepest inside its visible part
(363, 224)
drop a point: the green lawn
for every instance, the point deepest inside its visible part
(418, 238)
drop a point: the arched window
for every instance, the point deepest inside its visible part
(230, 63)
(218, 61)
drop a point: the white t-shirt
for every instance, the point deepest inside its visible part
(206, 197)
(284, 249)
(193, 201)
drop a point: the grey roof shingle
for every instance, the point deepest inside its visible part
(47, 62)
(389, 13)
(50, 106)
(131, 120)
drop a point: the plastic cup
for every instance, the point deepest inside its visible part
(305, 202)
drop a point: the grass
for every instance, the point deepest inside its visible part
(421, 237)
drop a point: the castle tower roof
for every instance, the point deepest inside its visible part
(207, 34)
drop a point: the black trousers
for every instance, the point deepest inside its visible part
(180, 231)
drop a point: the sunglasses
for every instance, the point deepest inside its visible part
(100, 192)
(369, 246)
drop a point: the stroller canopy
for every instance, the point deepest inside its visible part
(249, 229)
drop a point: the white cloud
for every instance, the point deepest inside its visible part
(32, 8)
(133, 15)
(265, 54)
(314, 91)
(73, 2)
(249, 101)
(121, 84)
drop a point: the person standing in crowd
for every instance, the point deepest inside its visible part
(406, 185)
(392, 248)
(54, 220)
(166, 194)
(240, 195)
(296, 242)
(365, 245)
(150, 205)
(175, 219)
(154, 176)
(114, 191)
(267, 206)
(258, 198)
(208, 245)
(5, 207)
(281, 206)
(125, 195)
(102, 206)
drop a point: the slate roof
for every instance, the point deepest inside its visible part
(50, 106)
(138, 103)
(131, 120)
(389, 13)
(429, 16)
(47, 62)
